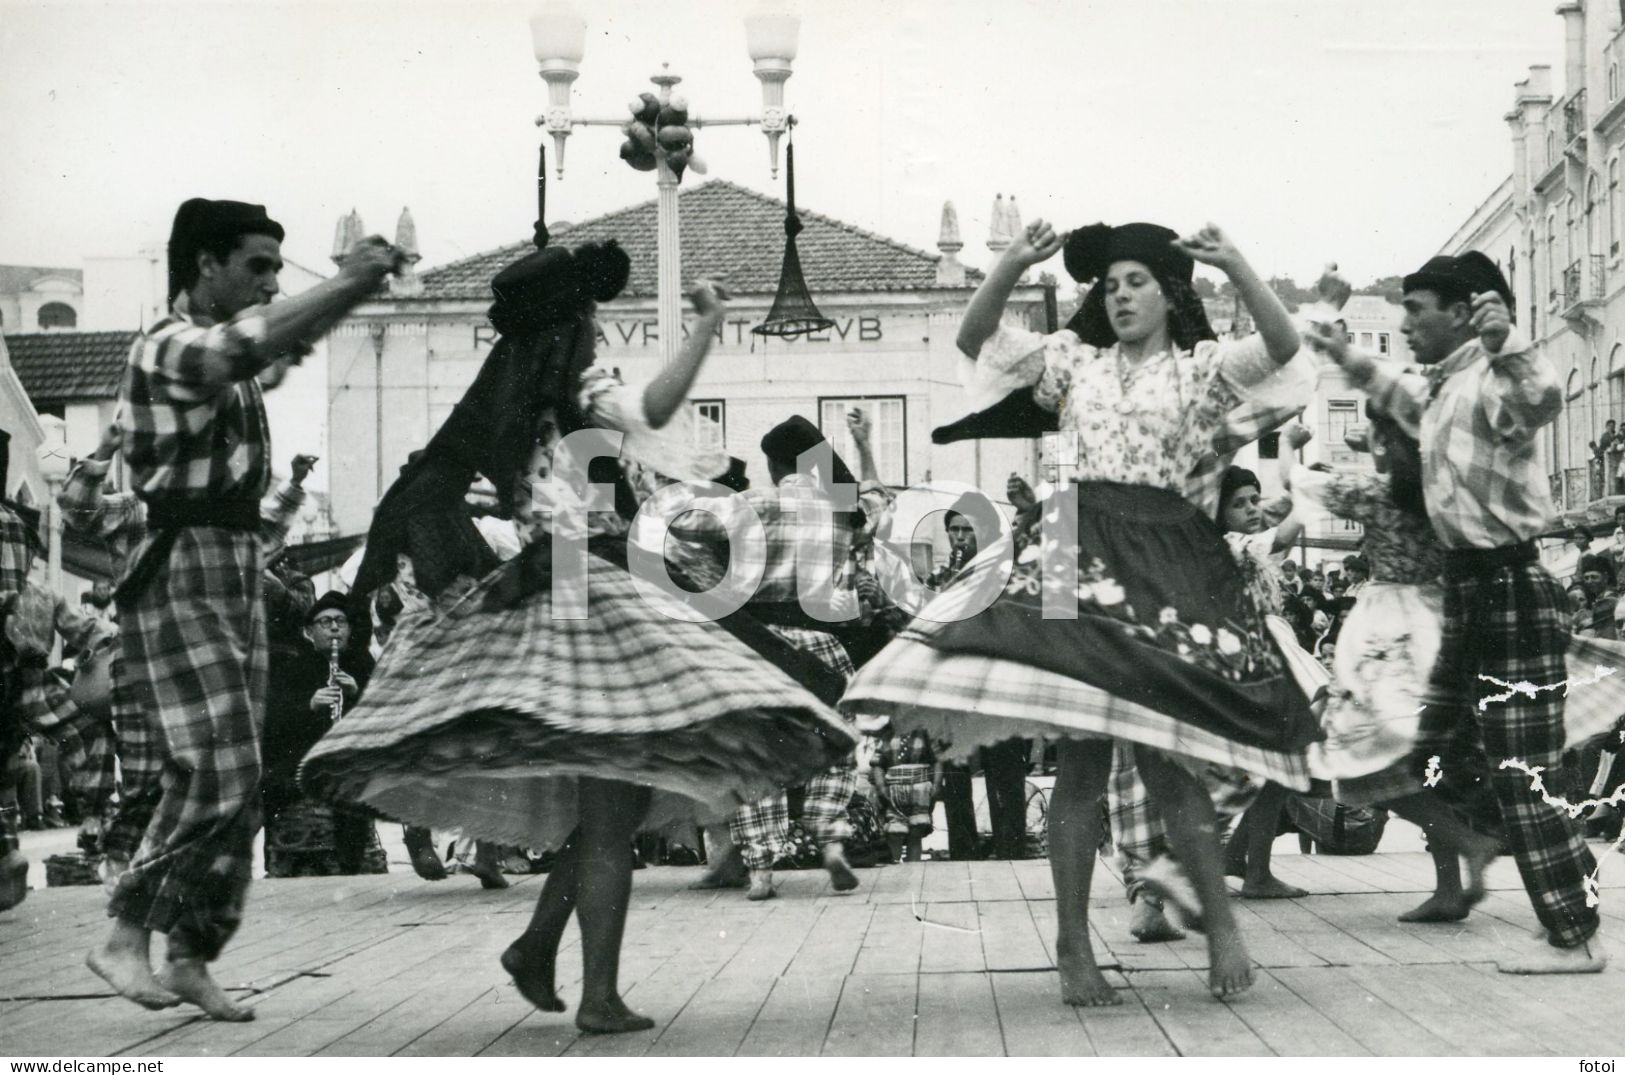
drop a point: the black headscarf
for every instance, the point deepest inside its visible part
(543, 311)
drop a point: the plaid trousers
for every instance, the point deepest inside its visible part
(140, 763)
(85, 741)
(762, 829)
(1511, 622)
(1137, 830)
(196, 636)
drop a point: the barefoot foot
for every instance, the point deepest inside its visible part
(1271, 888)
(532, 976)
(1230, 968)
(1440, 908)
(1478, 859)
(761, 886)
(190, 980)
(840, 873)
(130, 975)
(1164, 879)
(1082, 984)
(611, 1017)
(1148, 925)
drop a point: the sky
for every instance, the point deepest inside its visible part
(1360, 131)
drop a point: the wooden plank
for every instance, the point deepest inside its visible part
(1378, 1026)
(1010, 940)
(1442, 999)
(957, 1017)
(833, 944)
(1194, 1022)
(796, 1018)
(874, 1016)
(717, 1018)
(951, 939)
(891, 944)
(1286, 1023)
(661, 997)
(471, 1029)
(1126, 1030)
(1032, 1019)
(994, 879)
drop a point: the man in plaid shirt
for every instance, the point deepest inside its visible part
(806, 585)
(18, 543)
(119, 521)
(192, 624)
(1476, 410)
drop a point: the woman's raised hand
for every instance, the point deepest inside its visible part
(1036, 242)
(1211, 246)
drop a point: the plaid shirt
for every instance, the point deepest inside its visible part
(802, 537)
(16, 554)
(195, 435)
(120, 519)
(1476, 414)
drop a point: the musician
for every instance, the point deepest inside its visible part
(304, 838)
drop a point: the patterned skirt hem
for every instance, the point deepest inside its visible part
(1385, 785)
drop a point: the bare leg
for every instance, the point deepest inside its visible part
(1075, 823)
(1188, 814)
(897, 843)
(531, 958)
(610, 814)
(1448, 837)
(1260, 823)
(727, 864)
(487, 866)
(916, 852)
(1235, 851)
(125, 963)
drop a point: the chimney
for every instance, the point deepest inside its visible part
(1574, 46)
(950, 273)
(406, 284)
(998, 235)
(347, 234)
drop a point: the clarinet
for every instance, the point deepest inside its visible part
(333, 679)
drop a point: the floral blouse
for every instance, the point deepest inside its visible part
(1255, 555)
(1400, 546)
(1149, 424)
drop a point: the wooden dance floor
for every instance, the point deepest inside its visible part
(941, 958)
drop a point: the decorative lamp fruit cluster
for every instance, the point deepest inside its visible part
(660, 132)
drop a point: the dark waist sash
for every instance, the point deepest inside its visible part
(165, 520)
(1466, 563)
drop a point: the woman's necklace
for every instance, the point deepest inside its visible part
(1127, 408)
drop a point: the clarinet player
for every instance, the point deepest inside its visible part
(303, 837)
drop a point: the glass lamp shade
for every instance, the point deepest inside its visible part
(558, 32)
(771, 37)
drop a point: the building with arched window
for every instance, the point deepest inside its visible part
(34, 299)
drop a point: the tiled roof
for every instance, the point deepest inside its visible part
(65, 367)
(726, 230)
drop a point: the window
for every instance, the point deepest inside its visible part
(1382, 343)
(57, 315)
(1367, 341)
(889, 438)
(711, 425)
(1553, 269)
(1616, 383)
(1593, 222)
(1613, 207)
(1342, 415)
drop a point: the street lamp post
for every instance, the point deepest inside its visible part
(558, 34)
(52, 455)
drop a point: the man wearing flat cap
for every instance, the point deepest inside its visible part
(807, 561)
(1476, 409)
(192, 624)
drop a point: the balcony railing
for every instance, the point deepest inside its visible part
(1574, 118)
(1579, 286)
(1555, 481)
(1576, 484)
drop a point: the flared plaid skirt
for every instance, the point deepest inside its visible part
(484, 718)
(1166, 649)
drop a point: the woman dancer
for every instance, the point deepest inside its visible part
(1387, 645)
(1166, 650)
(542, 711)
